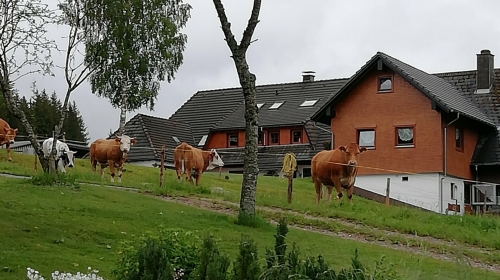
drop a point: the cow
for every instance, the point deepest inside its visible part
(64, 157)
(7, 135)
(112, 153)
(189, 159)
(336, 168)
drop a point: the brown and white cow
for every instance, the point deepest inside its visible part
(7, 135)
(188, 158)
(112, 153)
(336, 168)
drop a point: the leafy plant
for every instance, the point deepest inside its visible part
(213, 265)
(246, 266)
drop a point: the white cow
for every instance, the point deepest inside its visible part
(64, 157)
(216, 161)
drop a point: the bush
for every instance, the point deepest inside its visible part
(171, 254)
(156, 257)
(61, 179)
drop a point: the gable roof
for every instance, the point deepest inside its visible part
(224, 108)
(154, 132)
(487, 150)
(445, 96)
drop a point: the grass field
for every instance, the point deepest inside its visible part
(61, 228)
(366, 217)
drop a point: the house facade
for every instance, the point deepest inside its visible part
(422, 132)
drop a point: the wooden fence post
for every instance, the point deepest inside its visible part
(387, 199)
(162, 162)
(36, 156)
(220, 171)
(290, 188)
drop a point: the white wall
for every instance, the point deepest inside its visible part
(420, 190)
(447, 194)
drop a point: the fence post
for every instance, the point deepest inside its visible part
(162, 162)
(387, 199)
(36, 156)
(290, 188)
(220, 171)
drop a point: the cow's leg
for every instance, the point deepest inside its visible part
(350, 190)
(338, 187)
(318, 187)
(178, 170)
(60, 163)
(112, 170)
(198, 176)
(120, 168)
(102, 170)
(7, 146)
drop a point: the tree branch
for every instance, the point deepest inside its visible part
(226, 26)
(252, 23)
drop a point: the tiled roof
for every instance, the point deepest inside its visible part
(152, 133)
(488, 146)
(446, 96)
(269, 157)
(224, 108)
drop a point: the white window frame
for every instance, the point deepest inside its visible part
(276, 105)
(308, 103)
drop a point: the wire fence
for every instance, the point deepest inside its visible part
(278, 155)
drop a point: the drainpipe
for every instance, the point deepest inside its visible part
(326, 130)
(445, 167)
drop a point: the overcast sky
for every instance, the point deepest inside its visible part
(332, 38)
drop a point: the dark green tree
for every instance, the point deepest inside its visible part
(133, 45)
(247, 81)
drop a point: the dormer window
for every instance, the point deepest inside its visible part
(385, 84)
(308, 103)
(259, 105)
(276, 105)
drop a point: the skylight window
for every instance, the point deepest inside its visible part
(203, 140)
(308, 103)
(276, 105)
(176, 140)
(260, 105)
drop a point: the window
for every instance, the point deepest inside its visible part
(203, 140)
(454, 190)
(404, 178)
(308, 103)
(176, 140)
(404, 137)
(260, 140)
(260, 105)
(366, 138)
(459, 139)
(274, 137)
(232, 140)
(384, 84)
(296, 136)
(276, 105)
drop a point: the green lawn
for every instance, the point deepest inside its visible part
(271, 191)
(60, 228)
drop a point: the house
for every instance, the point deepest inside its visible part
(434, 136)
(216, 118)
(152, 133)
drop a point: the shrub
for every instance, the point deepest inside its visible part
(213, 265)
(61, 179)
(171, 254)
(247, 264)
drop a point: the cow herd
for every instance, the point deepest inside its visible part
(333, 168)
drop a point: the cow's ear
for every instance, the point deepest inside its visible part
(342, 148)
(117, 139)
(15, 130)
(133, 141)
(362, 149)
(6, 129)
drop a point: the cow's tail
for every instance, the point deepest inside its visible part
(183, 147)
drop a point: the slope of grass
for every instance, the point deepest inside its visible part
(271, 191)
(69, 229)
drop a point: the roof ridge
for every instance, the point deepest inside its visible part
(161, 118)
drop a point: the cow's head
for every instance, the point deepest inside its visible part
(67, 155)
(125, 142)
(352, 152)
(214, 160)
(9, 135)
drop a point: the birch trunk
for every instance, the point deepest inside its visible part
(123, 114)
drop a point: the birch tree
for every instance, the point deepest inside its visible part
(134, 44)
(247, 81)
(24, 50)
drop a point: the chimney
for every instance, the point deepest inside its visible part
(485, 76)
(307, 76)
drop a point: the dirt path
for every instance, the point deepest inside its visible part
(230, 208)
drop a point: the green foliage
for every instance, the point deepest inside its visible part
(133, 44)
(158, 255)
(246, 266)
(50, 179)
(213, 264)
(43, 112)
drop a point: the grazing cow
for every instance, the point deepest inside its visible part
(188, 158)
(64, 157)
(336, 168)
(112, 153)
(7, 135)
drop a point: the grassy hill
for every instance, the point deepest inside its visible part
(84, 219)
